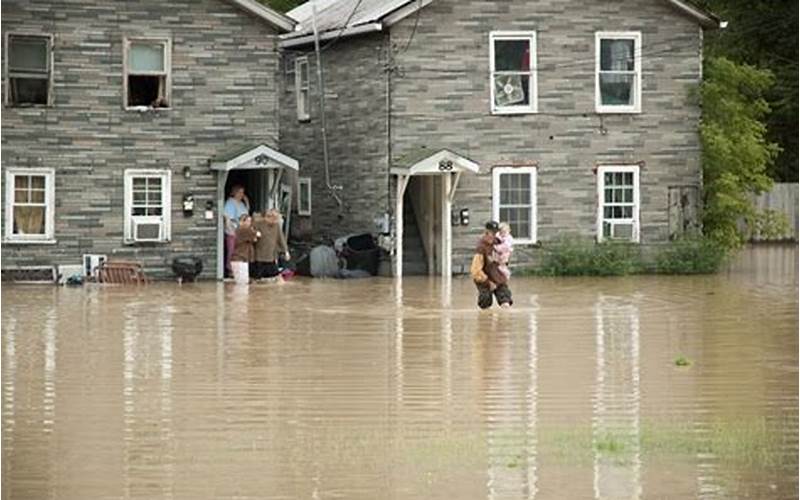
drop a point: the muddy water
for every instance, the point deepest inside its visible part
(366, 389)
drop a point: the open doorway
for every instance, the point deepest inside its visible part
(254, 182)
(422, 219)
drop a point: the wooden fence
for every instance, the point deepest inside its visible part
(783, 198)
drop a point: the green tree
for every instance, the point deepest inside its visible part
(736, 151)
(764, 34)
(282, 5)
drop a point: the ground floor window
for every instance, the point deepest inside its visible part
(618, 203)
(514, 200)
(147, 205)
(30, 204)
(304, 196)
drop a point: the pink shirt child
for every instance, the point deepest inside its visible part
(503, 247)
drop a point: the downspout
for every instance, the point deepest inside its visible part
(320, 82)
(389, 69)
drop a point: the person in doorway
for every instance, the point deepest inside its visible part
(236, 205)
(270, 246)
(503, 246)
(244, 250)
(485, 271)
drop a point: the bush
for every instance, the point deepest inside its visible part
(575, 257)
(690, 256)
(581, 257)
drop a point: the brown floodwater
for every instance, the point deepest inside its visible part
(373, 389)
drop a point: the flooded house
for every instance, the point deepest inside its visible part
(561, 118)
(126, 123)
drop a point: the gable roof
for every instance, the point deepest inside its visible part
(265, 13)
(374, 15)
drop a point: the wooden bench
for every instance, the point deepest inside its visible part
(121, 272)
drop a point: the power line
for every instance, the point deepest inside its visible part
(343, 28)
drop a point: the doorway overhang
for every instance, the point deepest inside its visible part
(248, 157)
(252, 157)
(444, 163)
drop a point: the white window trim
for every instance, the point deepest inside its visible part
(301, 182)
(496, 173)
(636, 36)
(166, 198)
(50, 202)
(126, 43)
(601, 181)
(533, 106)
(302, 111)
(7, 73)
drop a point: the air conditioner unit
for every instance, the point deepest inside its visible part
(91, 262)
(147, 229)
(621, 231)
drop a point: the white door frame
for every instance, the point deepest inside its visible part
(444, 163)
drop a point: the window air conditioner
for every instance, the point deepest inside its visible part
(147, 229)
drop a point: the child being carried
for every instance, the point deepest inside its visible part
(503, 247)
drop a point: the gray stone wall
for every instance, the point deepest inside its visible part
(356, 122)
(224, 93)
(441, 98)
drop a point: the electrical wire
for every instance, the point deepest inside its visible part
(343, 28)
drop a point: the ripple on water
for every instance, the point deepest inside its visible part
(383, 389)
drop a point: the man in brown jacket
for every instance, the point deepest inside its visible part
(486, 272)
(270, 245)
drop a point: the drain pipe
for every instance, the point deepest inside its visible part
(320, 83)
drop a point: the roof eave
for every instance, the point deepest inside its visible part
(705, 18)
(291, 40)
(273, 17)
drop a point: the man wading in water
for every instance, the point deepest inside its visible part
(486, 273)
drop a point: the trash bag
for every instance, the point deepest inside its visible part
(324, 263)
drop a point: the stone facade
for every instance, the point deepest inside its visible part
(357, 129)
(440, 98)
(224, 93)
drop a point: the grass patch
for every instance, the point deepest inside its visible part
(581, 257)
(682, 360)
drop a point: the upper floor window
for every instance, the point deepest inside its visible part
(514, 200)
(29, 70)
(147, 205)
(301, 87)
(288, 73)
(618, 78)
(30, 203)
(618, 203)
(147, 79)
(513, 71)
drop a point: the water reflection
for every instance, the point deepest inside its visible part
(148, 461)
(615, 423)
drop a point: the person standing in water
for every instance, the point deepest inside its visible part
(485, 271)
(236, 205)
(270, 246)
(244, 252)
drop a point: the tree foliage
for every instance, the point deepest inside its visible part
(282, 5)
(736, 150)
(764, 34)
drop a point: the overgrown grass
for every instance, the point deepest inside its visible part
(582, 257)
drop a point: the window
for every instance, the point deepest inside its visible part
(618, 82)
(147, 73)
(618, 203)
(288, 72)
(29, 70)
(301, 87)
(30, 203)
(514, 200)
(304, 196)
(513, 72)
(147, 205)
